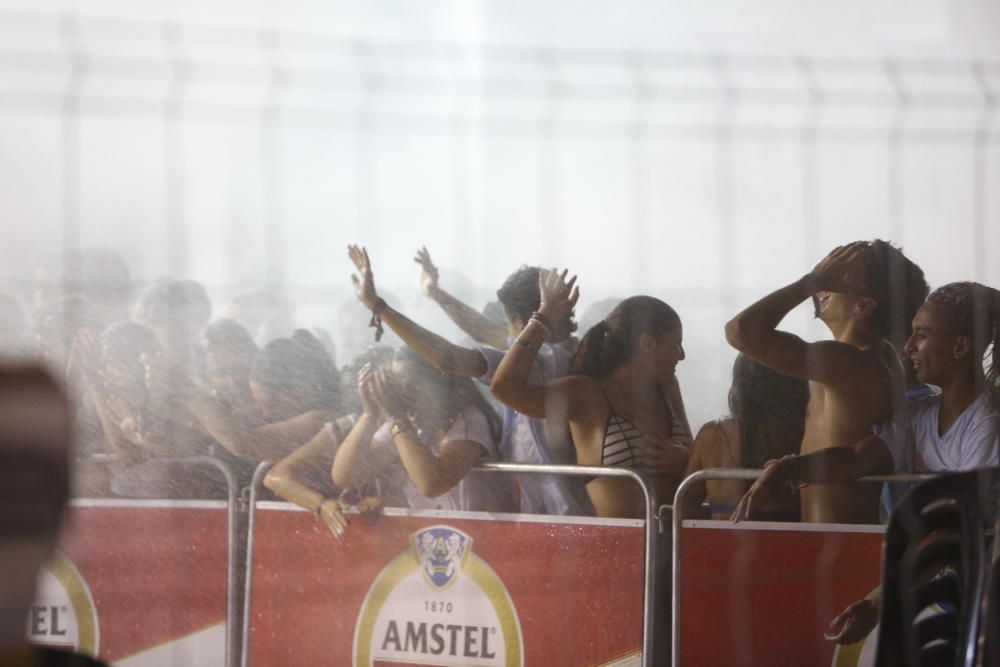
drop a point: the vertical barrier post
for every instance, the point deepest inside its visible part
(258, 478)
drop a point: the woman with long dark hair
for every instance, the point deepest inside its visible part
(295, 390)
(432, 428)
(767, 412)
(622, 400)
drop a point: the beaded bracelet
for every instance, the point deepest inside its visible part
(376, 321)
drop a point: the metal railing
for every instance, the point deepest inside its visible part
(652, 527)
(258, 478)
(678, 519)
(652, 524)
(234, 552)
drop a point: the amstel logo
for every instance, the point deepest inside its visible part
(63, 613)
(438, 603)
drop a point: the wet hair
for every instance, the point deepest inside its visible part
(519, 295)
(974, 311)
(234, 337)
(612, 341)
(299, 365)
(454, 393)
(898, 287)
(166, 300)
(770, 409)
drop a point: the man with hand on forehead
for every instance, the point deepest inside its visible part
(856, 381)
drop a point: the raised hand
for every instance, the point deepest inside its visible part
(559, 297)
(366, 388)
(428, 272)
(364, 286)
(841, 271)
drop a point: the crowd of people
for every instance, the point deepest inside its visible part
(909, 381)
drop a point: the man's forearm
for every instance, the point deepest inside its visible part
(479, 327)
(437, 351)
(745, 330)
(836, 465)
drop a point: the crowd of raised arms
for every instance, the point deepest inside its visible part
(909, 381)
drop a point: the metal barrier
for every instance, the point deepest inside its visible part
(233, 543)
(258, 477)
(519, 468)
(652, 527)
(678, 518)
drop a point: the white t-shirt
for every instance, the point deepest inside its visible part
(530, 440)
(485, 492)
(973, 441)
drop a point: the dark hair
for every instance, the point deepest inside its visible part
(519, 294)
(226, 332)
(612, 341)
(770, 409)
(455, 393)
(297, 365)
(974, 311)
(898, 287)
(167, 300)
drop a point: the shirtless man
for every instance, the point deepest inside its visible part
(856, 381)
(954, 431)
(525, 439)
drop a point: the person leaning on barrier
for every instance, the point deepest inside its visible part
(430, 429)
(305, 476)
(767, 412)
(35, 434)
(957, 430)
(856, 379)
(619, 399)
(294, 391)
(525, 439)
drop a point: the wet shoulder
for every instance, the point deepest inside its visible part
(717, 444)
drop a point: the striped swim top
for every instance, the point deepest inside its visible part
(624, 445)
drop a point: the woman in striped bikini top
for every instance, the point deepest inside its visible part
(622, 399)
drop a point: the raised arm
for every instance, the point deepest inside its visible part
(754, 331)
(358, 460)
(833, 465)
(566, 397)
(479, 327)
(437, 351)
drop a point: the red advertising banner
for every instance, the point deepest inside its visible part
(445, 588)
(763, 594)
(138, 583)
